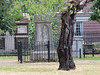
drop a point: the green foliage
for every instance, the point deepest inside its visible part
(1, 31)
(96, 45)
(39, 7)
(95, 16)
(31, 30)
(56, 27)
(8, 15)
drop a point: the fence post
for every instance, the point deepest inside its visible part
(48, 51)
(84, 53)
(93, 52)
(27, 50)
(80, 53)
(20, 51)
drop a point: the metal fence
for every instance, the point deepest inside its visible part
(44, 51)
(92, 38)
(40, 51)
(2, 43)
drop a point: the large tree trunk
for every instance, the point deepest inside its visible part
(65, 42)
(67, 32)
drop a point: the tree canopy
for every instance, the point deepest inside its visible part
(8, 16)
(95, 16)
(39, 7)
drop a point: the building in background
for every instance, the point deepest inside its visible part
(83, 28)
(10, 42)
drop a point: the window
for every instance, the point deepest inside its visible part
(78, 29)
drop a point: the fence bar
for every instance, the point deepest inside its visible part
(48, 51)
(93, 52)
(27, 53)
(20, 51)
(24, 52)
(80, 53)
(84, 53)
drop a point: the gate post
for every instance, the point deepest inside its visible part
(80, 53)
(93, 52)
(20, 51)
(84, 53)
(48, 51)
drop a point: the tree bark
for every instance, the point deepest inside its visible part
(65, 42)
(64, 49)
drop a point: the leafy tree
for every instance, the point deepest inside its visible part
(95, 16)
(68, 10)
(56, 26)
(8, 16)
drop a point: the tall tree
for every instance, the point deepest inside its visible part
(68, 9)
(67, 33)
(95, 16)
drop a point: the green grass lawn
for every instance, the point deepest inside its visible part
(51, 69)
(8, 58)
(96, 58)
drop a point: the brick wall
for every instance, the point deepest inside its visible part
(91, 26)
(88, 26)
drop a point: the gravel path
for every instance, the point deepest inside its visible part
(16, 63)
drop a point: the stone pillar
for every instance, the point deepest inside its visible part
(43, 34)
(77, 45)
(43, 29)
(9, 42)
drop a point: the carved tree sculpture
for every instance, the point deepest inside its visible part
(67, 32)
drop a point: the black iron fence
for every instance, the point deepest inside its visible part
(47, 51)
(91, 39)
(2, 43)
(42, 51)
(20, 51)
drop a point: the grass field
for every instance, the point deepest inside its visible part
(51, 69)
(8, 58)
(96, 58)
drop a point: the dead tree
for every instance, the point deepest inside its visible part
(67, 33)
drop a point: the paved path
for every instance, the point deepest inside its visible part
(16, 63)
